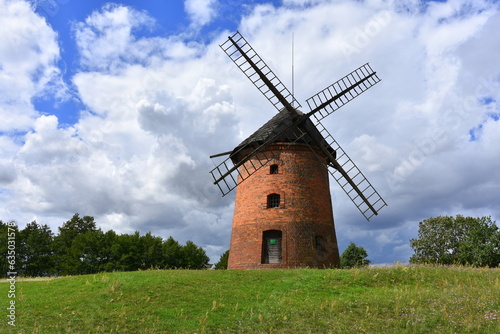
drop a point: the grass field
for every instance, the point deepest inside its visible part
(398, 299)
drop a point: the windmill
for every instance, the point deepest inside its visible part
(283, 215)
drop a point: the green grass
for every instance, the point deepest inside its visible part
(409, 299)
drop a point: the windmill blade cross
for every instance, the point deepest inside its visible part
(291, 126)
(250, 63)
(342, 91)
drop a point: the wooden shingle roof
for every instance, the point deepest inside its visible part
(283, 124)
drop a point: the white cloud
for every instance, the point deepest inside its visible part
(201, 12)
(109, 39)
(7, 169)
(105, 37)
(376, 156)
(29, 53)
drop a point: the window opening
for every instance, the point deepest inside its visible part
(273, 201)
(274, 169)
(320, 244)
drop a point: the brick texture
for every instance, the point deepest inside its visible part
(305, 215)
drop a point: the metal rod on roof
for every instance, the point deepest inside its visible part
(293, 81)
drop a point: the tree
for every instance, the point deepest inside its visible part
(172, 253)
(354, 256)
(193, 257)
(76, 246)
(86, 252)
(77, 225)
(482, 246)
(129, 252)
(222, 264)
(152, 251)
(457, 240)
(35, 248)
(108, 251)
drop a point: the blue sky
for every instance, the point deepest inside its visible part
(112, 109)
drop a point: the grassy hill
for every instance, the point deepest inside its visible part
(412, 299)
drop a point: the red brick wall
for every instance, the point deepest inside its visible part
(305, 212)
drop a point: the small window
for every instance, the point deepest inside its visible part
(320, 244)
(273, 169)
(273, 201)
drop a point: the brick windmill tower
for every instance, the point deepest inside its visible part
(283, 213)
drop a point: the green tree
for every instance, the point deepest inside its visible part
(172, 251)
(457, 240)
(129, 252)
(354, 256)
(152, 252)
(75, 244)
(481, 248)
(86, 252)
(222, 264)
(108, 251)
(77, 225)
(193, 257)
(36, 251)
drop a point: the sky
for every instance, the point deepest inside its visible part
(112, 109)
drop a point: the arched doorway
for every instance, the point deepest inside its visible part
(271, 250)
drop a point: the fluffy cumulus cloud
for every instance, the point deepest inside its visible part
(201, 12)
(108, 40)
(155, 108)
(105, 39)
(28, 64)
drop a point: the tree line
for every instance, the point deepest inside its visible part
(82, 248)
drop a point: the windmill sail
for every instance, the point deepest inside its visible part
(342, 91)
(250, 63)
(351, 179)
